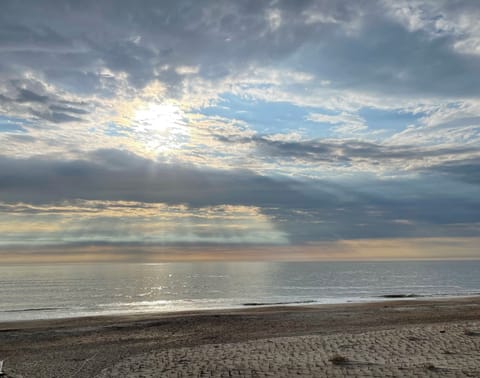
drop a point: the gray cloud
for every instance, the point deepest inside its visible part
(55, 117)
(429, 205)
(51, 51)
(353, 44)
(118, 175)
(67, 109)
(28, 96)
(467, 170)
(22, 138)
(21, 100)
(346, 151)
(386, 58)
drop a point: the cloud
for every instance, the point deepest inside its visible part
(467, 170)
(67, 109)
(354, 151)
(119, 175)
(344, 123)
(56, 117)
(414, 248)
(156, 41)
(303, 210)
(341, 54)
(27, 98)
(76, 76)
(133, 223)
(439, 18)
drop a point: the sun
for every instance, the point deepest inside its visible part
(158, 117)
(160, 126)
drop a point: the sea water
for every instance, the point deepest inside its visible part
(60, 291)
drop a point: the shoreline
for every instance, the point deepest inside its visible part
(387, 298)
(244, 309)
(59, 347)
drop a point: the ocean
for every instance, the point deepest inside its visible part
(61, 290)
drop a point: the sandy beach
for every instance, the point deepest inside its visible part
(407, 338)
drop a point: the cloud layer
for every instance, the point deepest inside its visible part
(314, 120)
(301, 211)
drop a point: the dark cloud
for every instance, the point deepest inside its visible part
(353, 44)
(28, 96)
(55, 117)
(15, 35)
(118, 175)
(429, 205)
(465, 170)
(41, 104)
(345, 151)
(67, 109)
(384, 57)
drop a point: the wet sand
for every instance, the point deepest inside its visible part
(429, 338)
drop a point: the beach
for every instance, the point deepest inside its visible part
(438, 337)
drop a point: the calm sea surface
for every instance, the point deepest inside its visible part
(57, 291)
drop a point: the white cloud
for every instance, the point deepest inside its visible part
(187, 70)
(440, 18)
(345, 123)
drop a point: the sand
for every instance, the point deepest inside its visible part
(413, 338)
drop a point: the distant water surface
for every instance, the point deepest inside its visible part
(59, 291)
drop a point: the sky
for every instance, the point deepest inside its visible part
(196, 130)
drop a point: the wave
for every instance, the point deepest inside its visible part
(277, 303)
(391, 296)
(36, 309)
(433, 295)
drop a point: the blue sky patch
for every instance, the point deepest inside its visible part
(12, 125)
(113, 129)
(267, 117)
(391, 120)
